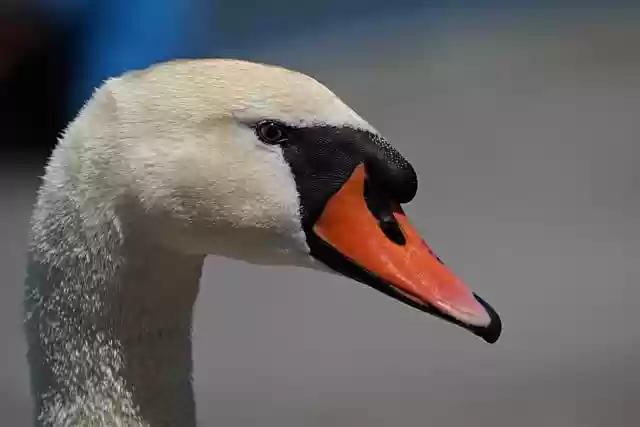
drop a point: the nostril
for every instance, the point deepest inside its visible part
(380, 208)
(392, 230)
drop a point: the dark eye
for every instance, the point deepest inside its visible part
(271, 132)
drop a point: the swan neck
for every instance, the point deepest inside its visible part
(109, 316)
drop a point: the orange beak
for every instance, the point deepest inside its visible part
(354, 239)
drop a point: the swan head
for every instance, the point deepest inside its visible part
(267, 165)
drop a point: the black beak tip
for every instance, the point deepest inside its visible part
(490, 333)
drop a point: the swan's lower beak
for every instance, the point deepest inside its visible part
(358, 236)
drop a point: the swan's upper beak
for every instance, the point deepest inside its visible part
(371, 240)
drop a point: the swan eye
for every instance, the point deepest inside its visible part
(271, 132)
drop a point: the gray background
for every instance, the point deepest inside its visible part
(524, 131)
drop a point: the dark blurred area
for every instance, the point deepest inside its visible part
(521, 119)
(54, 52)
(34, 80)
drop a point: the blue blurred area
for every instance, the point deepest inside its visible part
(112, 36)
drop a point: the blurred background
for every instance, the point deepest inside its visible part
(522, 120)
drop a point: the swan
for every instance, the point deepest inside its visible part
(187, 158)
